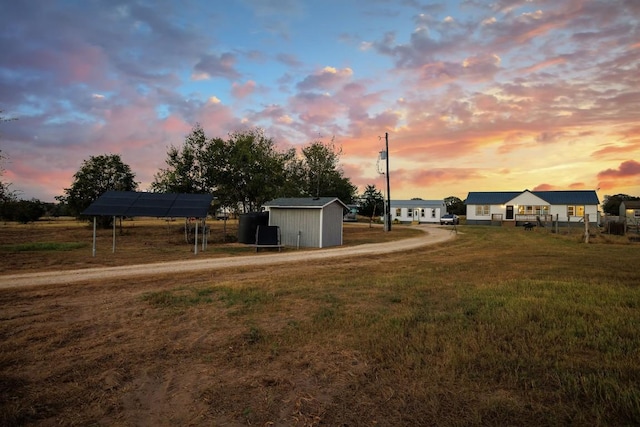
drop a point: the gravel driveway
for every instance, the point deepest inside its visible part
(432, 235)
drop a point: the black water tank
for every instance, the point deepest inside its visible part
(248, 224)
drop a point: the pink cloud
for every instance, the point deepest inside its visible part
(544, 187)
(327, 78)
(243, 90)
(315, 108)
(541, 65)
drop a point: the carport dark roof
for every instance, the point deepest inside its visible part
(163, 205)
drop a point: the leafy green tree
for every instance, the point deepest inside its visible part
(188, 167)
(6, 195)
(371, 202)
(323, 174)
(455, 205)
(23, 211)
(96, 176)
(611, 204)
(254, 172)
(245, 169)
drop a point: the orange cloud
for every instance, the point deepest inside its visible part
(544, 64)
(626, 169)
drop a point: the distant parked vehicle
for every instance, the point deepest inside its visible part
(449, 219)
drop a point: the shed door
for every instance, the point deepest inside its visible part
(509, 211)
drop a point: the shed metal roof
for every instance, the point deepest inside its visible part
(303, 202)
(570, 197)
(133, 203)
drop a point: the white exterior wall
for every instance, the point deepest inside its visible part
(292, 221)
(493, 209)
(559, 212)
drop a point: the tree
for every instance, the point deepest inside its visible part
(455, 205)
(188, 167)
(611, 204)
(23, 211)
(6, 195)
(254, 172)
(323, 175)
(96, 176)
(371, 202)
(245, 169)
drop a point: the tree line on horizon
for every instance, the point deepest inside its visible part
(242, 172)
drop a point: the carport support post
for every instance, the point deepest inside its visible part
(195, 246)
(113, 243)
(94, 237)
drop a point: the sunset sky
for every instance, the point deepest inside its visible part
(475, 95)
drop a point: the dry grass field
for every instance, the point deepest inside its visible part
(496, 327)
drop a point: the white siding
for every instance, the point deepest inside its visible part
(291, 221)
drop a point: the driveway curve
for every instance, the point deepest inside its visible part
(431, 235)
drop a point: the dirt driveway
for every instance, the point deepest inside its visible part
(432, 235)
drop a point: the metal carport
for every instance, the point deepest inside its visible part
(160, 205)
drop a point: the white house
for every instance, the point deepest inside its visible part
(421, 211)
(518, 207)
(308, 222)
(630, 211)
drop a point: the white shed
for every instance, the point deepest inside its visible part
(308, 222)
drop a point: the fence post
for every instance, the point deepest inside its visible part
(586, 228)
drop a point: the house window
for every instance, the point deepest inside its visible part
(636, 213)
(398, 212)
(422, 213)
(409, 213)
(433, 213)
(482, 210)
(531, 210)
(575, 210)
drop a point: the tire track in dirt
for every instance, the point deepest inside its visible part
(432, 235)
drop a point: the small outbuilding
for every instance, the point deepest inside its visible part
(308, 222)
(630, 212)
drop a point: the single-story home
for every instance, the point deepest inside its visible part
(518, 207)
(630, 211)
(421, 211)
(308, 222)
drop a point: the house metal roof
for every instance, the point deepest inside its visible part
(163, 205)
(416, 203)
(303, 202)
(571, 197)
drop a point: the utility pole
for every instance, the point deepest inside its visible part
(386, 138)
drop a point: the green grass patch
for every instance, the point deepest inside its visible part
(179, 298)
(42, 246)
